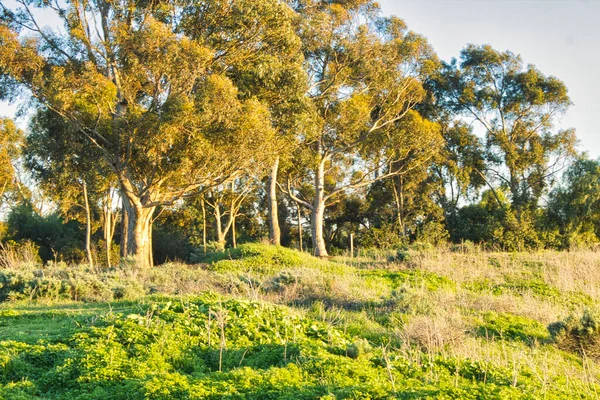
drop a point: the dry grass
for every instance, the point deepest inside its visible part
(431, 306)
(14, 256)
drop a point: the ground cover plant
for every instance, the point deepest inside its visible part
(264, 322)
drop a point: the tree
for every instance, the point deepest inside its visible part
(11, 140)
(226, 203)
(365, 76)
(70, 172)
(161, 89)
(574, 207)
(516, 106)
(459, 169)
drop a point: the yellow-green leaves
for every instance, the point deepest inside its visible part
(516, 106)
(11, 140)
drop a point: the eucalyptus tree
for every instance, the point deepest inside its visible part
(162, 90)
(226, 201)
(71, 173)
(516, 106)
(365, 76)
(459, 170)
(11, 140)
(574, 206)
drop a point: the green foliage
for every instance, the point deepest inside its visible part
(66, 283)
(55, 237)
(579, 335)
(517, 106)
(384, 237)
(574, 207)
(261, 258)
(433, 233)
(412, 277)
(171, 348)
(508, 326)
(170, 244)
(517, 286)
(11, 141)
(333, 343)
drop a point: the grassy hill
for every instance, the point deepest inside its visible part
(263, 322)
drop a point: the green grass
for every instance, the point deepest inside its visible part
(263, 322)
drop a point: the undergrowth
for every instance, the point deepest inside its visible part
(261, 322)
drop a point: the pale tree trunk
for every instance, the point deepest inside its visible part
(232, 216)
(219, 228)
(107, 230)
(299, 227)
(231, 211)
(274, 229)
(88, 227)
(124, 228)
(398, 187)
(138, 232)
(233, 234)
(109, 225)
(223, 229)
(204, 226)
(318, 213)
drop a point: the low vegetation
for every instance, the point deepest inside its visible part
(264, 322)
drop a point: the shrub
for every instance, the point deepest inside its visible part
(578, 335)
(13, 255)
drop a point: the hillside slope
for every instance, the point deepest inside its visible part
(264, 322)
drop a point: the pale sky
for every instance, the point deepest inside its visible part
(560, 37)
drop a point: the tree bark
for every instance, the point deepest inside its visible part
(107, 231)
(219, 228)
(398, 187)
(204, 226)
(124, 228)
(88, 227)
(138, 232)
(233, 234)
(318, 213)
(299, 227)
(274, 229)
(109, 225)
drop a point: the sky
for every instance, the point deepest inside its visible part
(560, 37)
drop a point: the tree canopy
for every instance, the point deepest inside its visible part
(219, 121)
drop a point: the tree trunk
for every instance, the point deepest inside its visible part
(204, 226)
(219, 229)
(233, 234)
(299, 228)
(138, 232)
(274, 229)
(318, 213)
(398, 187)
(124, 228)
(88, 227)
(109, 226)
(107, 231)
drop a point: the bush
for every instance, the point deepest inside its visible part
(14, 255)
(56, 238)
(578, 335)
(385, 237)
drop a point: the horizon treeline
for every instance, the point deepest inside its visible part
(166, 130)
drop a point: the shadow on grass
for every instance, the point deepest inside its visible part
(29, 323)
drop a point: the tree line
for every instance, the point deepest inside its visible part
(176, 127)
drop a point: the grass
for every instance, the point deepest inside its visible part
(262, 322)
